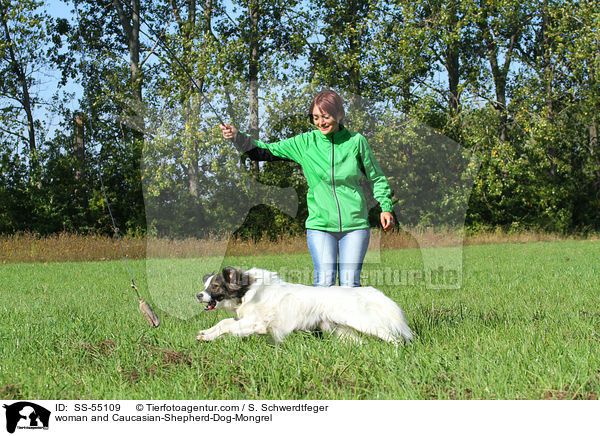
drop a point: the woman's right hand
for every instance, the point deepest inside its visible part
(229, 132)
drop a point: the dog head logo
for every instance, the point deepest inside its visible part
(26, 415)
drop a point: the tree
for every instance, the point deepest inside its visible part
(341, 58)
(573, 27)
(105, 45)
(21, 58)
(450, 41)
(399, 49)
(501, 25)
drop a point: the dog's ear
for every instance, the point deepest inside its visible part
(226, 273)
(237, 281)
(231, 275)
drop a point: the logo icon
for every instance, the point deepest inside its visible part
(26, 415)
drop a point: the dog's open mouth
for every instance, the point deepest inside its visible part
(211, 305)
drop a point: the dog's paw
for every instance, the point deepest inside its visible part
(204, 336)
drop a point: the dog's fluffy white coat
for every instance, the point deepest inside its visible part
(274, 307)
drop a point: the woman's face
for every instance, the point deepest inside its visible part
(325, 122)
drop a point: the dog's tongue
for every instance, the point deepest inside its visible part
(211, 305)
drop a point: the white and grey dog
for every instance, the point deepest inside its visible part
(266, 305)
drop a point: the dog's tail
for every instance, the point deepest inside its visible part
(393, 326)
(401, 328)
(383, 318)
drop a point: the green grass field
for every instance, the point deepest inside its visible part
(524, 325)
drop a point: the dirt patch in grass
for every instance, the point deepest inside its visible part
(172, 357)
(150, 367)
(565, 394)
(587, 391)
(130, 375)
(10, 392)
(98, 349)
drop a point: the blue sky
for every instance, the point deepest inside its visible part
(48, 81)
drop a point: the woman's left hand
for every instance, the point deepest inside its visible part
(387, 220)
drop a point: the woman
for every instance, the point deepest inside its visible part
(334, 160)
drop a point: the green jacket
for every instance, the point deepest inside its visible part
(334, 165)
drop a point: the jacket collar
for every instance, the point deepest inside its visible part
(337, 136)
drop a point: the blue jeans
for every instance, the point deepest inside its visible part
(325, 247)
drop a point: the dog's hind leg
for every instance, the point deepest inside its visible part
(345, 333)
(396, 338)
(381, 332)
(388, 337)
(278, 334)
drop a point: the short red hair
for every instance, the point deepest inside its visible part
(329, 102)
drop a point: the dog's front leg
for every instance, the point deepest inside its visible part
(215, 331)
(241, 328)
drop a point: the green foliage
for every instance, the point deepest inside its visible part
(516, 84)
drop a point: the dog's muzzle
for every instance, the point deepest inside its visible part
(205, 297)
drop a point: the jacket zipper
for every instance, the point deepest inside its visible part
(333, 188)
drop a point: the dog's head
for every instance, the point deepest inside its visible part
(228, 287)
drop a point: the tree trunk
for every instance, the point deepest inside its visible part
(500, 83)
(594, 143)
(188, 101)
(547, 81)
(499, 72)
(254, 14)
(452, 58)
(25, 99)
(452, 66)
(79, 146)
(547, 63)
(131, 28)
